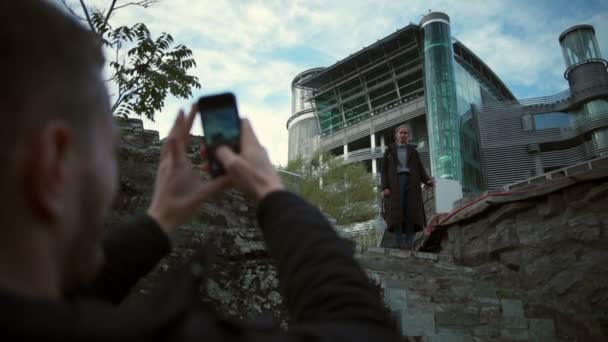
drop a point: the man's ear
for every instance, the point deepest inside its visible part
(46, 168)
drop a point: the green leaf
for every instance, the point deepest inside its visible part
(149, 69)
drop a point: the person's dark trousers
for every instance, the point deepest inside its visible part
(405, 233)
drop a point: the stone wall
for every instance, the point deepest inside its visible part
(434, 300)
(242, 279)
(547, 246)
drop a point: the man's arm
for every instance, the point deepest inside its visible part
(327, 294)
(321, 282)
(131, 252)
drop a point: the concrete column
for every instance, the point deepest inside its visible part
(373, 144)
(345, 151)
(382, 143)
(538, 165)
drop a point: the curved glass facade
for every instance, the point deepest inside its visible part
(595, 108)
(301, 97)
(469, 100)
(468, 89)
(304, 129)
(579, 45)
(371, 92)
(300, 100)
(303, 139)
(442, 108)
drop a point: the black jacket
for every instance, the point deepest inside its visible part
(326, 292)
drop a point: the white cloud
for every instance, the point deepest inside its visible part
(233, 43)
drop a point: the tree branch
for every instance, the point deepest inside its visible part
(105, 21)
(122, 96)
(86, 14)
(71, 10)
(118, 101)
(142, 3)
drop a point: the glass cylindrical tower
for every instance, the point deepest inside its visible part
(302, 126)
(442, 117)
(585, 65)
(579, 45)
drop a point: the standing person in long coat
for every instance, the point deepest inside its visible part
(402, 173)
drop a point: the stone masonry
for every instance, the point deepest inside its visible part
(242, 280)
(433, 300)
(546, 246)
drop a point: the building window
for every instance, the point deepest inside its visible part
(551, 120)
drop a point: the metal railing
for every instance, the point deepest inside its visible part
(362, 154)
(586, 61)
(361, 207)
(566, 96)
(374, 123)
(362, 69)
(365, 116)
(585, 124)
(367, 234)
(292, 181)
(560, 173)
(370, 153)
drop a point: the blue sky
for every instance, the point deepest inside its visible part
(255, 48)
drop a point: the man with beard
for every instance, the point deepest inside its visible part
(58, 179)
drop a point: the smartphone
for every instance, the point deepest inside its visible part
(221, 126)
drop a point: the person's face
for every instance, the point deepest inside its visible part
(93, 194)
(403, 135)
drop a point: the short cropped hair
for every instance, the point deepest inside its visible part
(51, 67)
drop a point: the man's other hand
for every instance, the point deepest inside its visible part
(250, 171)
(386, 192)
(179, 190)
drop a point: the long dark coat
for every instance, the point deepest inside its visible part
(390, 180)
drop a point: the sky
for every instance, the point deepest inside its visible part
(255, 48)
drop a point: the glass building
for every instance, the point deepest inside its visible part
(442, 117)
(467, 125)
(526, 138)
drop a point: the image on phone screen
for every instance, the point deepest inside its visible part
(221, 126)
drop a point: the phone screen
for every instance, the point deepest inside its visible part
(221, 126)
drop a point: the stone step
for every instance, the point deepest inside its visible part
(440, 301)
